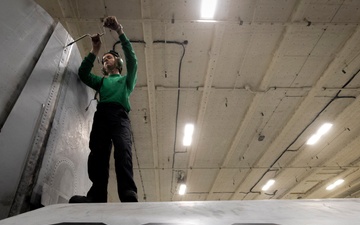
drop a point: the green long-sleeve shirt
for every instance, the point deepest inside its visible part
(115, 88)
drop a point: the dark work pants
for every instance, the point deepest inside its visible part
(111, 125)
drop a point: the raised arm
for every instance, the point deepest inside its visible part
(130, 57)
(87, 64)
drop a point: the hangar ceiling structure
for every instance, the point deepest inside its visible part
(257, 81)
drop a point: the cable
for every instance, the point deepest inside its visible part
(178, 97)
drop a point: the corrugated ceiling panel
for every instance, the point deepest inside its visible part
(225, 112)
(201, 180)
(166, 104)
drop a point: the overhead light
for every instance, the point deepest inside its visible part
(182, 189)
(268, 185)
(313, 139)
(189, 130)
(338, 182)
(324, 128)
(208, 9)
(207, 21)
(320, 132)
(335, 184)
(330, 187)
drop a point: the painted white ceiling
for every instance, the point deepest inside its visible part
(276, 69)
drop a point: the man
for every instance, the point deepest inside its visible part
(111, 122)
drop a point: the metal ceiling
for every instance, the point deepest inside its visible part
(257, 83)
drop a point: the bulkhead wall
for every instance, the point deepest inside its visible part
(44, 126)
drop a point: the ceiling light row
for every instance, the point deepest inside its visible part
(329, 188)
(207, 12)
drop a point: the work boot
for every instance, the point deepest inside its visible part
(129, 196)
(80, 199)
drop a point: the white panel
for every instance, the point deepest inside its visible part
(285, 70)
(128, 9)
(225, 111)
(348, 13)
(235, 10)
(166, 121)
(311, 71)
(201, 180)
(228, 180)
(246, 53)
(141, 126)
(196, 55)
(321, 11)
(333, 37)
(167, 184)
(273, 10)
(234, 50)
(166, 67)
(92, 9)
(301, 40)
(180, 9)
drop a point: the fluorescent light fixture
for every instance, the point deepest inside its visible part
(207, 21)
(187, 140)
(324, 128)
(189, 130)
(320, 132)
(313, 139)
(335, 184)
(208, 9)
(182, 189)
(268, 185)
(338, 182)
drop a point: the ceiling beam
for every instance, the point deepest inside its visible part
(210, 73)
(252, 110)
(220, 22)
(147, 30)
